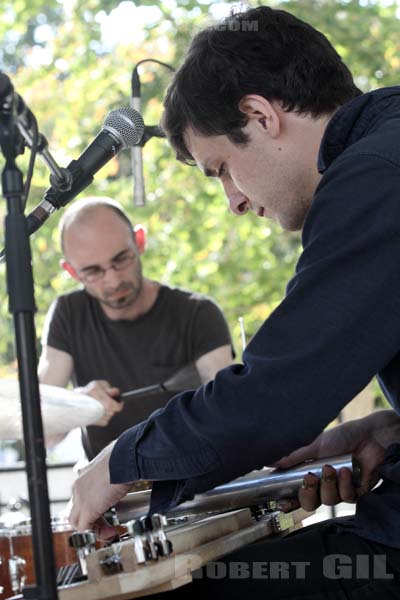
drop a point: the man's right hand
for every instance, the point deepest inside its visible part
(103, 392)
(366, 439)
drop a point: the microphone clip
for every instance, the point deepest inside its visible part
(62, 181)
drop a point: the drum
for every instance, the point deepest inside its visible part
(16, 555)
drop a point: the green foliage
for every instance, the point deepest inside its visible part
(365, 33)
(62, 64)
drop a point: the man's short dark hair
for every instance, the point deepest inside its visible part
(262, 51)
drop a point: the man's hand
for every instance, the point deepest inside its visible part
(103, 392)
(93, 495)
(365, 438)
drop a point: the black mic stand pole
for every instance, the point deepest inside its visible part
(22, 307)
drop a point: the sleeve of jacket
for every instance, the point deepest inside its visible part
(338, 325)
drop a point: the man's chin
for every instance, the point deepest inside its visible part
(292, 223)
(120, 303)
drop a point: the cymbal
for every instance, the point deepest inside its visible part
(62, 410)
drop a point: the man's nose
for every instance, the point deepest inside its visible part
(238, 202)
(111, 276)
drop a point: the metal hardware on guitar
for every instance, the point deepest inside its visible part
(160, 554)
(147, 565)
(135, 529)
(84, 543)
(149, 538)
(255, 488)
(111, 564)
(16, 555)
(164, 545)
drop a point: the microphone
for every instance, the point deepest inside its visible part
(15, 105)
(139, 198)
(25, 120)
(122, 128)
(7, 94)
(11, 141)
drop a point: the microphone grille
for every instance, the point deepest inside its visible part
(127, 124)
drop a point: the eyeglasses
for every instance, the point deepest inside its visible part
(119, 263)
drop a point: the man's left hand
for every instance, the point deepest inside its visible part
(93, 495)
(365, 438)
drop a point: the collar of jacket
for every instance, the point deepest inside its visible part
(353, 120)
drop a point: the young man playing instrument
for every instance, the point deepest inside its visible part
(264, 103)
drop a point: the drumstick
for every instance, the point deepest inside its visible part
(145, 391)
(186, 378)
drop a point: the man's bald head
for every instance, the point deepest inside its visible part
(82, 213)
(101, 252)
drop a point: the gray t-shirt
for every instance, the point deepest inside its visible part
(179, 328)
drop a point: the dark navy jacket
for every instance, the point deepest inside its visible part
(337, 327)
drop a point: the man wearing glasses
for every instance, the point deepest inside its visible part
(122, 331)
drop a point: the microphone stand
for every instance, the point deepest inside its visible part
(149, 131)
(22, 307)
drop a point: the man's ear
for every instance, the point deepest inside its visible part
(263, 112)
(140, 237)
(69, 268)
